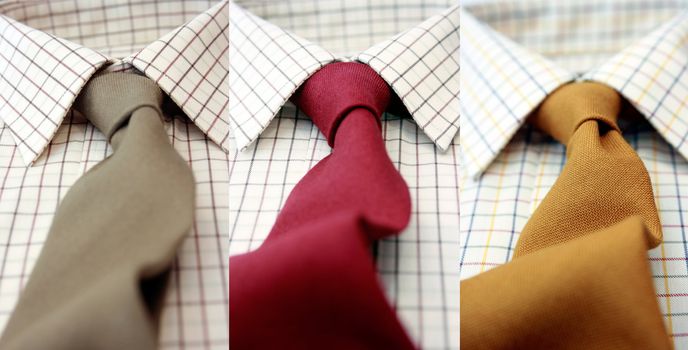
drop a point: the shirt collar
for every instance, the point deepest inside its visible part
(43, 74)
(503, 82)
(268, 64)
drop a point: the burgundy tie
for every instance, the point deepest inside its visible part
(312, 283)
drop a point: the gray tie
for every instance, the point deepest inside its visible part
(100, 279)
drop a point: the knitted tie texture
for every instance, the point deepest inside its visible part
(603, 181)
(579, 278)
(100, 280)
(312, 283)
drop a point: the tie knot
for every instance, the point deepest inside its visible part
(108, 100)
(337, 89)
(564, 110)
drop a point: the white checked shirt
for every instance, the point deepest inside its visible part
(513, 53)
(48, 51)
(413, 45)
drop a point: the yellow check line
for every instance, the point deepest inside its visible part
(469, 153)
(502, 74)
(494, 211)
(483, 109)
(548, 67)
(654, 79)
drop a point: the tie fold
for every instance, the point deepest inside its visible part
(100, 280)
(348, 98)
(323, 292)
(312, 284)
(579, 278)
(603, 181)
(593, 292)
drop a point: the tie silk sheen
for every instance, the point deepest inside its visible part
(312, 283)
(579, 278)
(100, 279)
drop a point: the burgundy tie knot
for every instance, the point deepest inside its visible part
(312, 283)
(337, 89)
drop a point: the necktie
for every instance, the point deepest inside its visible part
(579, 278)
(312, 283)
(100, 278)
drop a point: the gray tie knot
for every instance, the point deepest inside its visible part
(108, 100)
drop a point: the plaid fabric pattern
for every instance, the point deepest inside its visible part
(190, 65)
(35, 100)
(417, 268)
(413, 45)
(422, 66)
(267, 66)
(55, 46)
(269, 63)
(637, 47)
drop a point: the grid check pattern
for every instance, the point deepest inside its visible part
(190, 64)
(417, 268)
(268, 64)
(422, 66)
(189, 58)
(345, 28)
(124, 35)
(413, 45)
(638, 48)
(35, 99)
(500, 94)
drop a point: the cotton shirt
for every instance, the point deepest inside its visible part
(514, 53)
(413, 45)
(48, 51)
